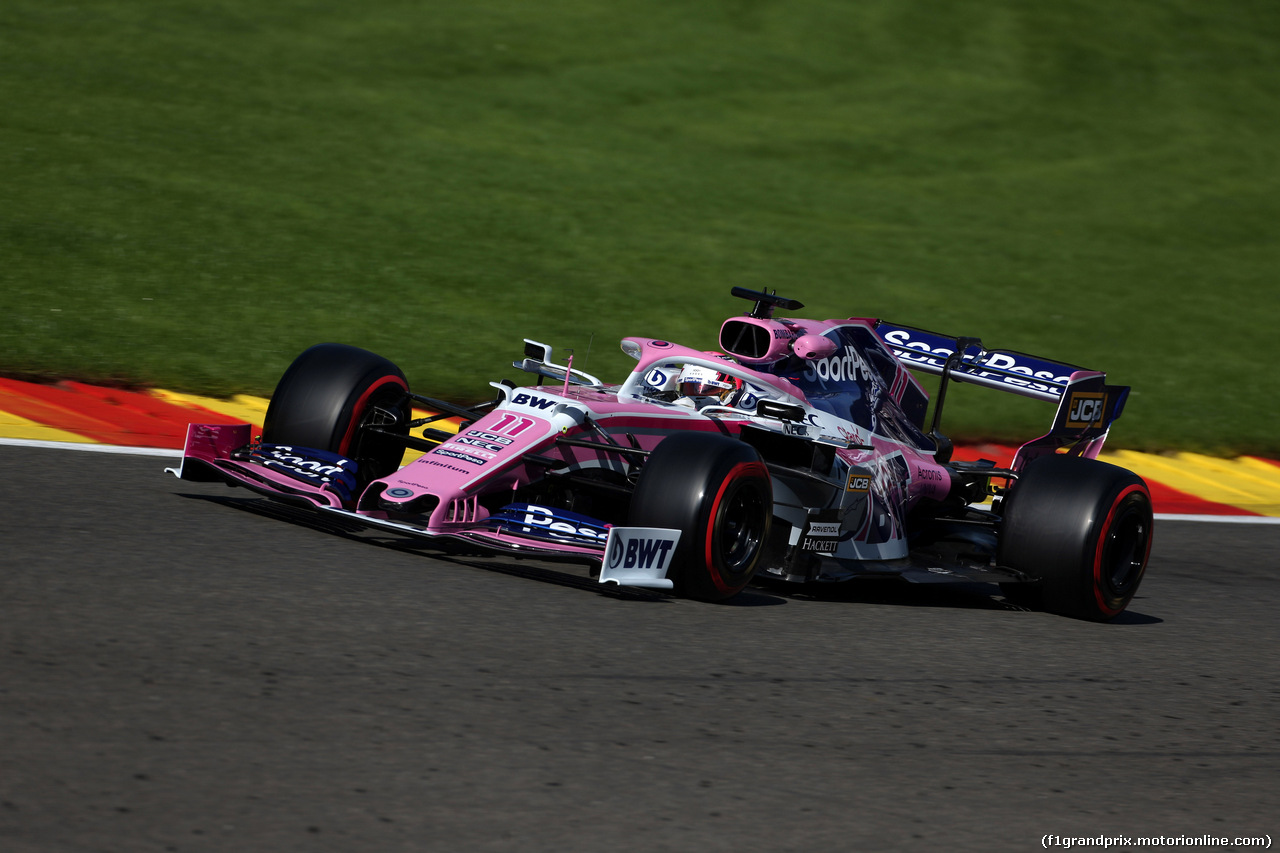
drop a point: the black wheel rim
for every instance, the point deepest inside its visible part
(1124, 553)
(375, 453)
(740, 530)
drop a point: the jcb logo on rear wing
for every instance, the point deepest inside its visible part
(1086, 409)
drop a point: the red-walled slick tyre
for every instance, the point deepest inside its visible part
(329, 398)
(1083, 529)
(717, 492)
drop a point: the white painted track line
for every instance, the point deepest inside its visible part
(175, 454)
(93, 447)
(1225, 519)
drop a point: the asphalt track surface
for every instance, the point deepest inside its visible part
(186, 667)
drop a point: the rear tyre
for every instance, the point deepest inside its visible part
(330, 397)
(1083, 529)
(717, 492)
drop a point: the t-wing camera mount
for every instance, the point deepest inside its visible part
(766, 302)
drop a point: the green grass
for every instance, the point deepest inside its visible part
(195, 192)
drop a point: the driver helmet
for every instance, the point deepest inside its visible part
(698, 381)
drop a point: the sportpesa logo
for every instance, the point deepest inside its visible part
(934, 350)
(848, 366)
(284, 456)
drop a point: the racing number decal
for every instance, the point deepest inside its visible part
(512, 425)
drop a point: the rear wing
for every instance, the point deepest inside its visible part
(1006, 370)
(1087, 406)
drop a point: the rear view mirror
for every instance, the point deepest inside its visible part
(781, 411)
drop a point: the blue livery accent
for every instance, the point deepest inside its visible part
(1029, 375)
(550, 523)
(317, 467)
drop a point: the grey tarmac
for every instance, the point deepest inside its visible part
(185, 667)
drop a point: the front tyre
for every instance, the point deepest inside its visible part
(1083, 528)
(717, 492)
(331, 397)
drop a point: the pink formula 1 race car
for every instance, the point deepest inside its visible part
(803, 451)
